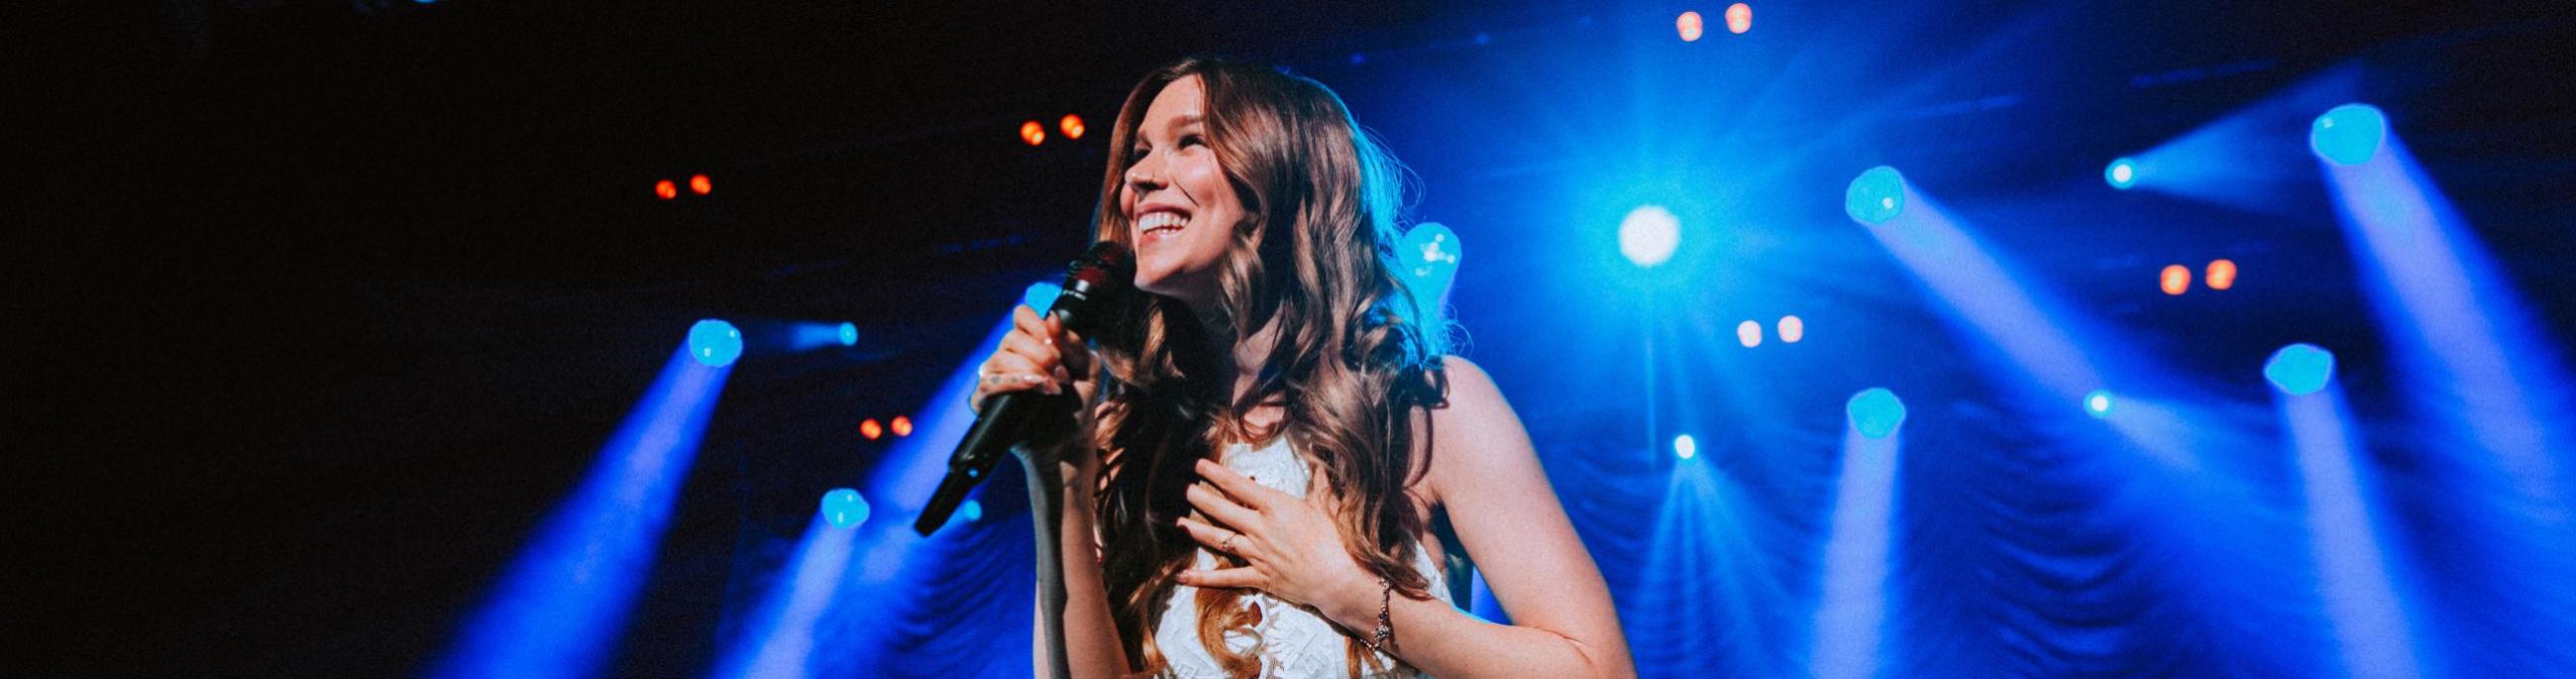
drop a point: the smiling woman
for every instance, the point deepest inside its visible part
(1275, 429)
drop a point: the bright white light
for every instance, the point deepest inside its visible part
(1685, 447)
(1792, 329)
(1649, 234)
(1749, 333)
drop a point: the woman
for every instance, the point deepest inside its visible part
(1273, 436)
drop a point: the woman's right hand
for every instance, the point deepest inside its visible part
(1039, 355)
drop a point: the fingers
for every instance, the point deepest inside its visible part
(1239, 576)
(1216, 506)
(1073, 354)
(1247, 491)
(1218, 539)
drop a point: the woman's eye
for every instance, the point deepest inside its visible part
(1192, 140)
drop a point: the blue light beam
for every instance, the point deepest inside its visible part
(2361, 601)
(566, 598)
(1852, 610)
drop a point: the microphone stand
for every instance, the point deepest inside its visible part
(1046, 514)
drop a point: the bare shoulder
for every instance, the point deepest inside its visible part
(1476, 435)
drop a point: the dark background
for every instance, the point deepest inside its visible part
(325, 304)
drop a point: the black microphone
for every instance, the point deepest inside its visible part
(1092, 283)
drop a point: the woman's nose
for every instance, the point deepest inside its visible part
(1145, 174)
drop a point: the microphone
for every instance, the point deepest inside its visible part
(1092, 283)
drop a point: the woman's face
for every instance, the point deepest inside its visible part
(1181, 211)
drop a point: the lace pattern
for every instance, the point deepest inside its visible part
(1295, 641)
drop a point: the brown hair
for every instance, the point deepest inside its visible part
(1314, 261)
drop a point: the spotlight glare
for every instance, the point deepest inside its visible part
(2300, 369)
(666, 189)
(2175, 280)
(1685, 447)
(871, 429)
(2098, 403)
(714, 343)
(1749, 334)
(844, 508)
(1032, 132)
(1875, 412)
(1649, 234)
(1071, 125)
(1690, 26)
(1792, 329)
(1739, 18)
(849, 334)
(901, 426)
(2222, 274)
(971, 511)
(2349, 134)
(1876, 196)
(701, 184)
(2122, 174)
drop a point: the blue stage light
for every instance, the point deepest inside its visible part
(1649, 235)
(1876, 412)
(971, 511)
(2122, 174)
(1685, 447)
(2098, 403)
(1040, 296)
(715, 343)
(2349, 134)
(1876, 196)
(844, 508)
(2300, 369)
(849, 334)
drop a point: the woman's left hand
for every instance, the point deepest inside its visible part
(1291, 546)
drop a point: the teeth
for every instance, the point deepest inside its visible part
(1161, 220)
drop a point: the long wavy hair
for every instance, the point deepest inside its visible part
(1314, 263)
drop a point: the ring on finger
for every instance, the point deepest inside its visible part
(1227, 546)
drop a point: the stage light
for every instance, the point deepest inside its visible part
(1685, 447)
(844, 508)
(971, 511)
(715, 343)
(2300, 369)
(901, 426)
(2122, 174)
(701, 185)
(1032, 132)
(1792, 329)
(2348, 134)
(1690, 26)
(1739, 18)
(1649, 234)
(871, 429)
(1749, 334)
(1875, 412)
(2175, 280)
(666, 190)
(1874, 197)
(1071, 125)
(849, 334)
(2222, 274)
(2098, 403)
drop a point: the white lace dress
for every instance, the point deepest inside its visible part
(1295, 642)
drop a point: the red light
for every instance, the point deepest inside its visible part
(2222, 274)
(1032, 132)
(1690, 26)
(1739, 18)
(701, 185)
(902, 426)
(2177, 279)
(871, 429)
(1071, 125)
(666, 190)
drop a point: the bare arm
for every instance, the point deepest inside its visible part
(1487, 474)
(1040, 355)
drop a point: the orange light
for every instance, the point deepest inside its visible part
(2177, 279)
(902, 425)
(666, 190)
(2222, 274)
(1739, 18)
(1690, 26)
(871, 429)
(1032, 132)
(1071, 125)
(701, 185)
(1792, 329)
